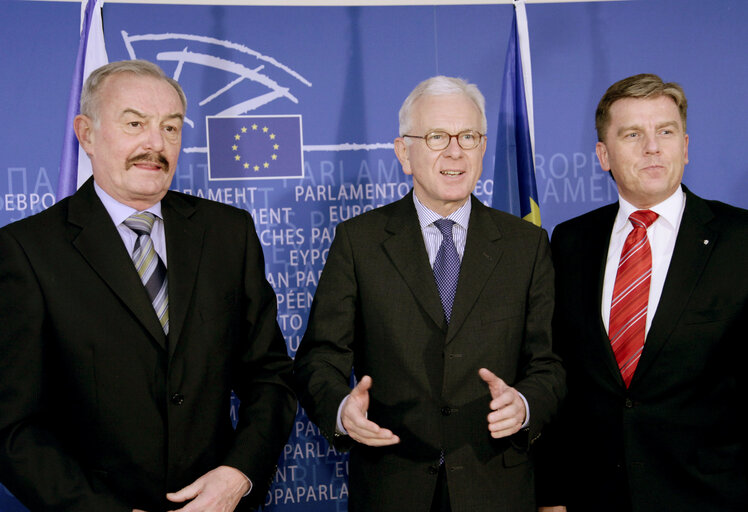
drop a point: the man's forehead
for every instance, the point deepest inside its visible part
(133, 94)
(652, 104)
(434, 101)
(633, 112)
(446, 108)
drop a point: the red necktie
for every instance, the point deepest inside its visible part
(628, 310)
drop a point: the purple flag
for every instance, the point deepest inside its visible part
(91, 54)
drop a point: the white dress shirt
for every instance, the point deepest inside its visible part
(661, 234)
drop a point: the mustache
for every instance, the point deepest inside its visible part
(156, 158)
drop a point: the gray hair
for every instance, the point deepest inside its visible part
(90, 94)
(437, 86)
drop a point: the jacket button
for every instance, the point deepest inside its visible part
(446, 411)
(433, 470)
(177, 398)
(628, 403)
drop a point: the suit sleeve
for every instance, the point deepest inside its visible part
(34, 465)
(263, 379)
(543, 384)
(551, 452)
(323, 364)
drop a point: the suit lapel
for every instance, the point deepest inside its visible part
(692, 249)
(482, 253)
(408, 254)
(595, 253)
(101, 246)
(184, 243)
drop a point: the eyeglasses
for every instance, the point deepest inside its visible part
(439, 139)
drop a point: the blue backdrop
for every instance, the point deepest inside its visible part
(334, 78)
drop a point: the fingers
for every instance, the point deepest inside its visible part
(219, 490)
(507, 407)
(495, 385)
(361, 392)
(353, 417)
(369, 433)
(185, 493)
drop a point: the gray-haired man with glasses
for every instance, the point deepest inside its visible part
(442, 307)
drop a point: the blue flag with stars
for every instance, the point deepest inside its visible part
(254, 147)
(514, 146)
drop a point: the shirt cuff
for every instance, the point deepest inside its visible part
(527, 410)
(250, 484)
(339, 428)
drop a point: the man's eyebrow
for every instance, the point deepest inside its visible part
(133, 111)
(624, 129)
(635, 126)
(175, 115)
(667, 123)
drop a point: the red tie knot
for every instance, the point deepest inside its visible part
(643, 218)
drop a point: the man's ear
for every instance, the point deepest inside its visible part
(602, 156)
(401, 151)
(83, 126)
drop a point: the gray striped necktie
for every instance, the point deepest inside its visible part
(151, 269)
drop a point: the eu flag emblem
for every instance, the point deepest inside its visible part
(254, 147)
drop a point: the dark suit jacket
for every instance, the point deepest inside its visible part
(377, 309)
(676, 439)
(98, 410)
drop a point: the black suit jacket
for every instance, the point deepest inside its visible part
(98, 410)
(676, 438)
(377, 309)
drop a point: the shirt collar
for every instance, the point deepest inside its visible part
(668, 210)
(120, 212)
(426, 216)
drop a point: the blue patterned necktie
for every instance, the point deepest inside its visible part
(446, 266)
(151, 269)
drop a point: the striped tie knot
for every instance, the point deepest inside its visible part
(643, 218)
(141, 223)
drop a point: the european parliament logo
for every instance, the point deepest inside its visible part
(254, 147)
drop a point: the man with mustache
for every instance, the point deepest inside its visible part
(650, 320)
(129, 315)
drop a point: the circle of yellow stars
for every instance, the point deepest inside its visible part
(255, 166)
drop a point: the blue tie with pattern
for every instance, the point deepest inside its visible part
(151, 269)
(446, 266)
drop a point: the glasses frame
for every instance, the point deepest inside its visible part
(456, 136)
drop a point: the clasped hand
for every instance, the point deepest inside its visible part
(218, 490)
